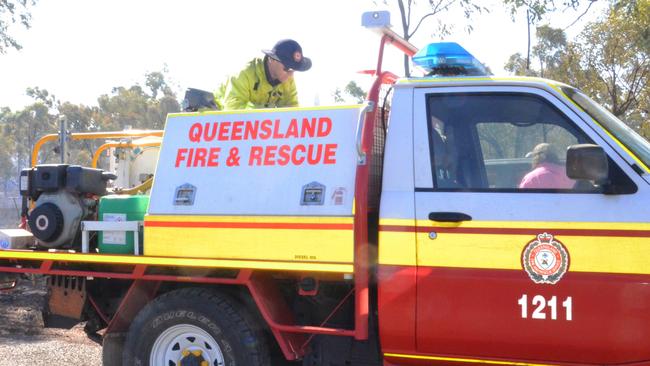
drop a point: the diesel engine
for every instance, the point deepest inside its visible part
(63, 195)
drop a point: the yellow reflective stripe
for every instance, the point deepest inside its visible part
(252, 219)
(262, 244)
(471, 251)
(615, 251)
(181, 262)
(443, 80)
(575, 225)
(323, 240)
(460, 80)
(396, 248)
(625, 255)
(397, 222)
(464, 360)
(261, 111)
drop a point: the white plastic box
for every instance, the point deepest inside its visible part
(16, 239)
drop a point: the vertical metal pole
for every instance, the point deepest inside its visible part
(361, 265)
(63, 139)
(85, 239)
(528, 26)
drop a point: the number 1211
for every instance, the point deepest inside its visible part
(544, 308)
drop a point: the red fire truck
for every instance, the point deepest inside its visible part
(455, 218)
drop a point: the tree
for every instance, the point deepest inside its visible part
(352, 90)
(42, 95)
(12, 12)
(8, 142)
(537, 9)
(548, 54)
(430, 10)
(550, 47)
(133, 106)
(610, 60)
(616, 61)
(21, 129)
(157, 83)
(136, 107)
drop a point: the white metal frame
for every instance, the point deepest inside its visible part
(129, 226)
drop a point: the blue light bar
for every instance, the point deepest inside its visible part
(448, 59)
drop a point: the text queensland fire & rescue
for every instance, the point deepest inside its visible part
(278, 151)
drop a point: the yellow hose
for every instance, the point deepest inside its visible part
(145, 186)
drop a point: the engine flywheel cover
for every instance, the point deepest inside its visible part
(46, 222)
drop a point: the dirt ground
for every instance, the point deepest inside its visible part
(24, 341)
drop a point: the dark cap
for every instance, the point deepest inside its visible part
(289, 53)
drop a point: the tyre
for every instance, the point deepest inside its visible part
(194, 327)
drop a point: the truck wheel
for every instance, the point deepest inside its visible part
(194, 327)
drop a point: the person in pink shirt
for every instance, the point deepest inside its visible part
(547, 171)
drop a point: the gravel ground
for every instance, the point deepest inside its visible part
(24, 341)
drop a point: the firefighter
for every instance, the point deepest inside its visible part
(265, 82)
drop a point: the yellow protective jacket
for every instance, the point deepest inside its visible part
(251, 89)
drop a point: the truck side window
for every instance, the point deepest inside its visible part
(500, 142)
(514, 153)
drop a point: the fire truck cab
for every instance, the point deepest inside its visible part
(476, 264)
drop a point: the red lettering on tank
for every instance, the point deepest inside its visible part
(255, 157)
(224, 131)
(324, 126)
(276, 130)
(250, 133)
(330, 154)
(195, 132)
(308, 127)
(189, 158)
(199, 157)
(292, 131)
(180, 156)
(313, 154)
(237, 128)
(213, 156)
(267, 129)
(285, 155)
(269, 155)
(295, 160)
(208, 134)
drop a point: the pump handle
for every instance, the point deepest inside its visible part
(368, 105)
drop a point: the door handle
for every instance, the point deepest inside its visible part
(449, 216)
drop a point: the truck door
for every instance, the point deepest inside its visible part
(553, 270)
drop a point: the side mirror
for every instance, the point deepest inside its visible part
(587, 162)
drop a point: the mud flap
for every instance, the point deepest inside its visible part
(66, 301)
(112, 349)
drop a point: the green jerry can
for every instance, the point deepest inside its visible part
(120, 208)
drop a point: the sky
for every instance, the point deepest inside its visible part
(81, 49)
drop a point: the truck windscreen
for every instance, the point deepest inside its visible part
(634, 142)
